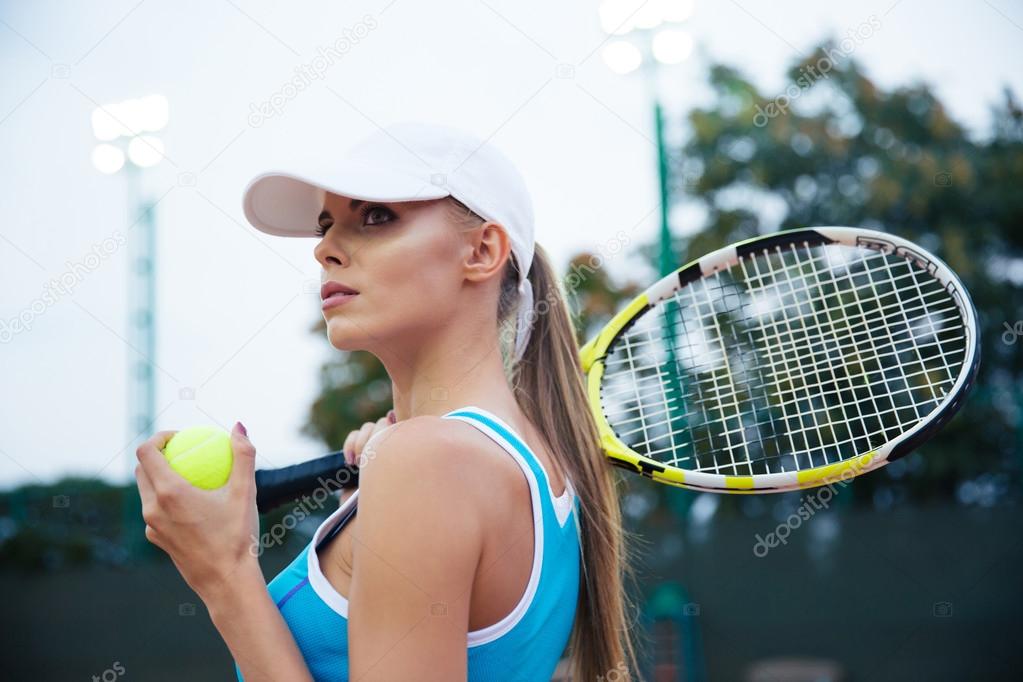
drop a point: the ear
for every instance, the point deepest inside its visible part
(490, 249)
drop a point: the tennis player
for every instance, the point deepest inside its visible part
(484, 541)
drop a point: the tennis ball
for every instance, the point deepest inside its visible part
(202, 454)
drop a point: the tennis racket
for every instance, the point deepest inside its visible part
(782, 362)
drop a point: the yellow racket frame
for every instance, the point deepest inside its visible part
(592, 353)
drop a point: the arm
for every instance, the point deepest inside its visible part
(254, 631)
(210, 536)
(415, 553)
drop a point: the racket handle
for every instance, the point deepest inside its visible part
(275, 487)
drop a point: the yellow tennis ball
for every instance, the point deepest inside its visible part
(202, 454)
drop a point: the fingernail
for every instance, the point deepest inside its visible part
(391, 417)
(241, 427)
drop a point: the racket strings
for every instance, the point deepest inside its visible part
(861, 327)
(773, 365)
(832, 350)
(623, 431)
(829, 361)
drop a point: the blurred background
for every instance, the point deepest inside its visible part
(134, 297)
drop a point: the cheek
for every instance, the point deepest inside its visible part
(415, 270)
(409, 284)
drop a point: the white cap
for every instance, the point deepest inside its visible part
(409, 161)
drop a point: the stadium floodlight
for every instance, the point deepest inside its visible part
(128, 127)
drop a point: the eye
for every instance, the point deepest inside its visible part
(377, 210)
(325, 222)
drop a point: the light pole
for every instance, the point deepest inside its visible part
(647, 35)
(127, 142)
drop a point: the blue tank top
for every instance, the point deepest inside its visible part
(524, 645)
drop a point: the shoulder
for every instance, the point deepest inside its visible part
(427, 448)
(420, 473)
(415, 551)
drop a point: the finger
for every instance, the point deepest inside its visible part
(243, 465)
(347, 447)
(146, 492)
(150, 456)
(364, 433)
(382, 423)
(392, 417)
(154, 537)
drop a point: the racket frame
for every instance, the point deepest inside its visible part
(592, 356)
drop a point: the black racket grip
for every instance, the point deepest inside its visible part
(275, 487)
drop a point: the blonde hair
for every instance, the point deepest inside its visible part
(548, 385)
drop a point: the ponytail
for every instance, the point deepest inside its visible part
(548, 385)
(549, 388)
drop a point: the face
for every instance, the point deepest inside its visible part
(404, 259)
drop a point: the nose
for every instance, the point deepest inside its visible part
(328, 253)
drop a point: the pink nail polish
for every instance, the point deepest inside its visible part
(241, 427)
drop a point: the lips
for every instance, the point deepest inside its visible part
(335, 294)
(331, 288)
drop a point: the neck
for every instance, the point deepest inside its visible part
(449, 370)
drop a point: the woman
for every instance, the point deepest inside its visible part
(488, 532)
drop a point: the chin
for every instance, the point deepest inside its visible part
(342, 335)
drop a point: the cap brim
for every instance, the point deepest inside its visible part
(288, 204)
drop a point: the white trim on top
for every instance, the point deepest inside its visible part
(563, 503)
(324, 590)
(503, 626)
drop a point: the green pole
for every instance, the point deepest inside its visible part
(680, 500)
(141, 304)
(667, 260)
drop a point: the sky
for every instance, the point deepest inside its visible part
(235, 306)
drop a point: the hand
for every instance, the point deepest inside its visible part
(356, 440)
(211, 535)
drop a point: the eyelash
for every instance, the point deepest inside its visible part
(364, 211)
